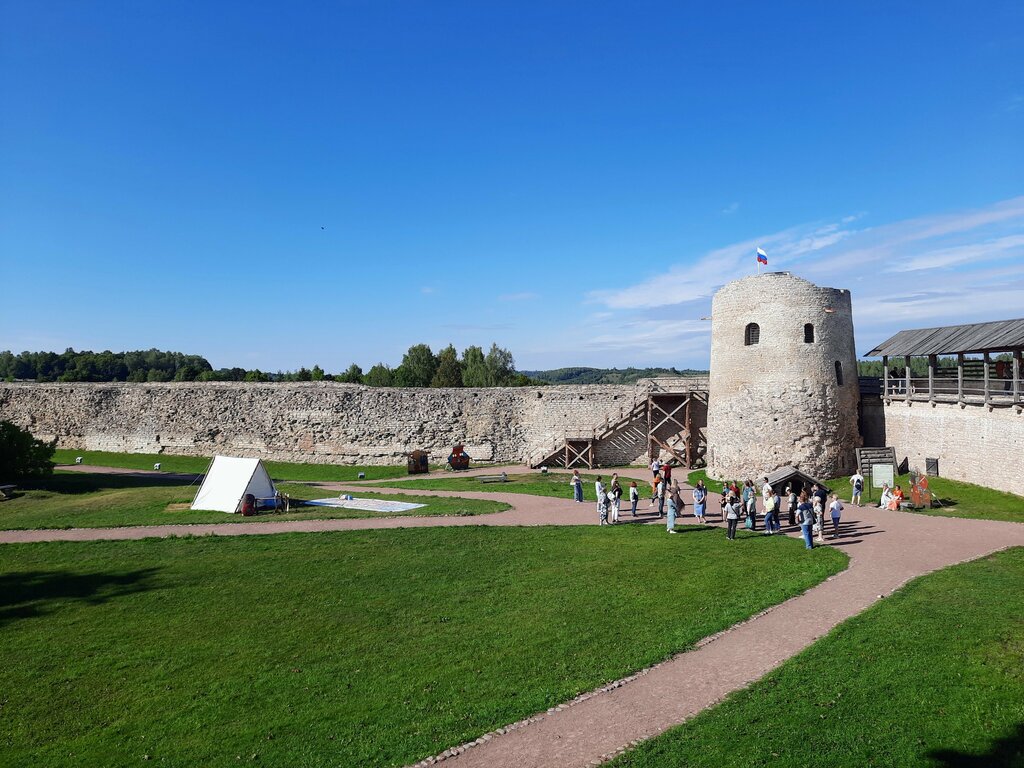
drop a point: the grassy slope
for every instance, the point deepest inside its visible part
(932, 676)
(279, 470)
(78, 500)
(355, 648)
(959, 499)
(533, 483)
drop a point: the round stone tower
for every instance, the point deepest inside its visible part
(784, 388)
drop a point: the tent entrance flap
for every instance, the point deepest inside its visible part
(227, 482)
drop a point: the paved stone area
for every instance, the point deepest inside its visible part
(886, 550)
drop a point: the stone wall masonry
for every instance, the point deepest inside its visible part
(972, 444)
(319, 422)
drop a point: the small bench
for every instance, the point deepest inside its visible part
(502, 478)
(5, 491)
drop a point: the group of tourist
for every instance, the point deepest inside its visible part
(808, 508)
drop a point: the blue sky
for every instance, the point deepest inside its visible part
(281, 184)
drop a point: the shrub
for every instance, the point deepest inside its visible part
(22, 455)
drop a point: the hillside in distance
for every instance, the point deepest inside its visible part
(606, 375)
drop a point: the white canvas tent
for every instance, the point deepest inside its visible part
(228, 480)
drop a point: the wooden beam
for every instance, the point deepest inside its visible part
(987, 394)
(960, 377)
(906, 377)
(1016, 375)
(670, 416)
(885, 376)
(932, 359)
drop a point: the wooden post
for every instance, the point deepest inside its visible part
(906, 377)
(986, 379)
(1016, 375)
(885, 375)
(566, 452)
(931, 377)
(960, 377)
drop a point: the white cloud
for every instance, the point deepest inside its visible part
(730, 209)
(965, 266)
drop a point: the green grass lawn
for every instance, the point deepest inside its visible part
(81, 500)
(359, 648)
(932, 676)
(958, 499)
(279, 470)
(532, 483)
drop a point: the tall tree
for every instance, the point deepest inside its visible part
(379, 376)
(449, 369)
(354, 375)
(418, 367)
(474, 368)
(501, 368)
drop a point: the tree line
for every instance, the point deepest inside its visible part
(420, 367)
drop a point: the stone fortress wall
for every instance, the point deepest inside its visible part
(777, 396)
(322, 422)
(972, 443)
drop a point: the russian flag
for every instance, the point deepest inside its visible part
(762, 256)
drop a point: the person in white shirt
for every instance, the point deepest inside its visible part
(602, 502)
(857, 482)
(655, 466)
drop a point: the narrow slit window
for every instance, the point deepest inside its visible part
(808, 333)
(752, 335)
(839, 373)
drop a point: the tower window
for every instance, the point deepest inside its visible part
(808, 333)
(839, 373)
(752, 335)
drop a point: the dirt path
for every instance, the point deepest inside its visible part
(886, 550)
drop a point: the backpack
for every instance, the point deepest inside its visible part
(858, 486)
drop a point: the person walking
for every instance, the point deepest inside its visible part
(857, 483)
(655, 467)
(806, 516)
(700, 502)
(615, 498)
(732, 515)
(836, 508)
(675, 507)
(602, 502)
(661, 497)
(634, 496)
(577, 486)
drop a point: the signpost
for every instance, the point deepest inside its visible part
(881, 474)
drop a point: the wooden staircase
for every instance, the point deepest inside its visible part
(576, 449)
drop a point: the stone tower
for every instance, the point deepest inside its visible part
(784, 387)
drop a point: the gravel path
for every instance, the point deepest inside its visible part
(886, 550)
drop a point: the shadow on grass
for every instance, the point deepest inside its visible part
(90, 483)
(1007, 752)
(35, 593)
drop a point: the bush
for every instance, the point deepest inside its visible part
(22, 455)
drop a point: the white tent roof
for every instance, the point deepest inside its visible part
(228, 480)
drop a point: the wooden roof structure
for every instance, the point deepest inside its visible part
(998, 336)
(785, 475)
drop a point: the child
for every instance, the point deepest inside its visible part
(577, 486)
(634, 496)
(836, 507)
